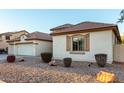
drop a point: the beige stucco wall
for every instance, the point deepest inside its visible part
(10, 49)
(3, 45)
(3, 42)
(18, 34)
(43, 46)
(100, 42)
(119, 53)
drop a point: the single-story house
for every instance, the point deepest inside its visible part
(32, 44)
(82, 41)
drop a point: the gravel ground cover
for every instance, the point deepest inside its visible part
(33, 70)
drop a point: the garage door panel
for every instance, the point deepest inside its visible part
(25, 49)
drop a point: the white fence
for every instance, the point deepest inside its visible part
(118, 53)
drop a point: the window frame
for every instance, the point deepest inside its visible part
(7, 37)
(78, 36)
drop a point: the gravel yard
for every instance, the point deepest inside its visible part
(33, 70)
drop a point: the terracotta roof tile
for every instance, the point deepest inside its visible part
(62, 26)
(7, 33)
(10, 33)
(85, 26)
(35, 36)
(39, 36)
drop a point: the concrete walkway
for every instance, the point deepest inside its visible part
(3, 56)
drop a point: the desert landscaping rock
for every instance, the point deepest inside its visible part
(33, 70)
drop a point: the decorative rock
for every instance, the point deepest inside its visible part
(33, 71)
(52, 63)
(21, 60)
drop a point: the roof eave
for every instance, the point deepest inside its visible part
(83, 31)
(118, 33)
(40, 39)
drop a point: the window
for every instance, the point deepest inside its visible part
(77, 43)
(7, 37)
(23, 37)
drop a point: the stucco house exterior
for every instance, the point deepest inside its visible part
(82, 41)
(4, 37)
(32, 44)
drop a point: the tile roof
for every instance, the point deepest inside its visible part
(35, 36)
(10, 33)
(7, 33)
(62, 26)
(85, 26)
(39, 36)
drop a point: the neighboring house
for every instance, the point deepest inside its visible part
(32, 44)
(4, 37)
(82, 41)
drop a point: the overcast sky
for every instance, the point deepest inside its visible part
(43, 20)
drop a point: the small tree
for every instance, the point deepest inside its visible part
(121, 19)
(122, 38)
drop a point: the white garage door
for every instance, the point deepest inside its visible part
(26, 49)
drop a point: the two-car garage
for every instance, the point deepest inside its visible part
(23, 49)
(32, 45)
(26, 49)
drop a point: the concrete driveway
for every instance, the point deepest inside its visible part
(3, 56)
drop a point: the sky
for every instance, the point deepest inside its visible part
(44, 19)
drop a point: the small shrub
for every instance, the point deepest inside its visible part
(67, 62)
(46, 57)
(11, 58)
(2, 51)
(101, 59)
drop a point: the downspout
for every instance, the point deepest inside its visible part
(14, 45)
